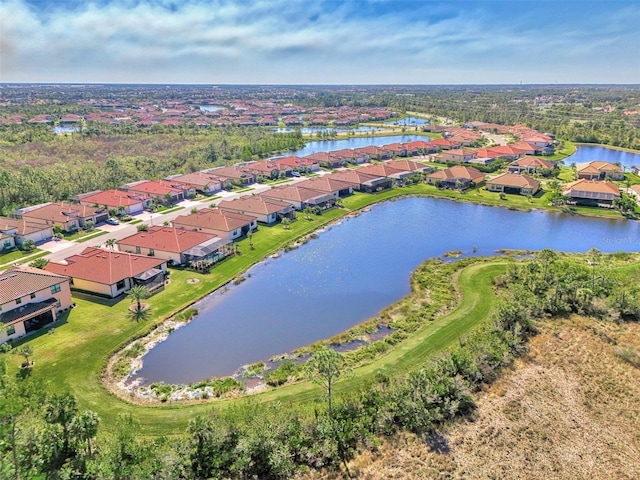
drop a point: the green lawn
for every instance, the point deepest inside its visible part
(18, 256)
(91, 236)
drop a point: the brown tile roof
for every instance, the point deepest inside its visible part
(327, 184)
(381, 170)
(458, 171)
(593, 186)
(295, 193)
(62, 212)
(167, 239)
(514, 180)
(406, 165)
(215, 219)
(596, 167)
(197, 179)
(354, 177)
(254, 204)
(22, 226)
(532, 162)
(21, 281)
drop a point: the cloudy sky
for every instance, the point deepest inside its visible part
(320, 41)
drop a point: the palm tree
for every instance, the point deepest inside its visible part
(110, 242)
(137, 294)
(139, 314)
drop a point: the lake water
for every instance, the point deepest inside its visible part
(353, 271)
(211, 108)
(331, 145)
(587, 153)
(408, 121)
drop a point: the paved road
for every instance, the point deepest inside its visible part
(62, 249)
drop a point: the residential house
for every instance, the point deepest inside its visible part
(362, 181)
(458, 177)
(30, 299)
(527, 148)
(203, 182)
(24, 229)
(459, 155)
(128, 202)
(396, 149)
(162, 191)
(598, 170)
(68, 216)
(419, 147)
(214, 221)
(176, 245)
(266, 210)
(384, 170)
(7, 242)
(110, 273)
(444, 144)
(373, 152)
(530, 165)
(329, 184)
(592, 192)
(300, 196)
(234, 173)
(504, 151)
(326, 159)
(298, 164)
(267, 169)
(410, 166)
(515, 183)
(350, 155)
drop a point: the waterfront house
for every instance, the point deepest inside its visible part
(68, 216)
(503, 151)
(329, 184)
(530, 165)
(396, 149)
(350, 155)
(178, 246)
(598, 170)
(218, 222)
(363, 181)
(110, 273)
(129, 202)
(24, 229)
(266, 210)
(444, 144)
(592, 192)
(373, 152)
(458, 177)
(300, 196)
(30, 299)
(419, 147)
(515, 183)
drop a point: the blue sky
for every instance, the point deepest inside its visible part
(320, 42)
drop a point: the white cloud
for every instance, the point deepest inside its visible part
(289, 41)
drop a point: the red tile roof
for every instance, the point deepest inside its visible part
(254, 204)
(458, 171)
(167, 239)
(114, 198)
(104, 266)
(592, 186)
(515, 180)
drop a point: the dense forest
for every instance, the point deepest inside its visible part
(48, 436)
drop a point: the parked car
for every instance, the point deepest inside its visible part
(295, 174)
(112, 221)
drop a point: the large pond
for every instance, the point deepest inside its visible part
(587, 153)
(331, 145)
(350, 273)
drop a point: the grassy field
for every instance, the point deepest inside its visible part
(567, 410)
(72, 359)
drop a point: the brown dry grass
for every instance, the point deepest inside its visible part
(569, 410)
